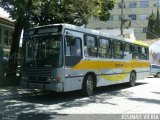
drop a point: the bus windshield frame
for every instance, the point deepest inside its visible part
(43, 51)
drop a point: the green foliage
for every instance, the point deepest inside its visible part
(102, 8)
(21, 9)
(157, 24)
(153, 28)
(150, 34)
(70, 11)
(41, 12)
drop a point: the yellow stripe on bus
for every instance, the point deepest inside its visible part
(102, 65)
(96, 65)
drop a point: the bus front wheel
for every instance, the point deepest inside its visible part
(88, 85)
(158, 75)
(132, 79)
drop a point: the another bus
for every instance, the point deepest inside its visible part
(64, 57)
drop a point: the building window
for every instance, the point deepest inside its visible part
(144, 30)
(132, 5)
(6, 55)
(144, 17)
(156, 3)
(111, 18)
(132, 16)
(144, 4)
(121, 17)
(8, 37)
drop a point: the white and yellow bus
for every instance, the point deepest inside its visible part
(64, 57)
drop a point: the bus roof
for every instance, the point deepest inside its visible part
(95, 32)
(141, 43)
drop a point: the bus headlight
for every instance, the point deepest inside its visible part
(49, 79)
(57, 79)
(24, 78)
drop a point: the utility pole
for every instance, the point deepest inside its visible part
(122, 22)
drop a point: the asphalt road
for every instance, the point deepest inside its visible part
(116, 99)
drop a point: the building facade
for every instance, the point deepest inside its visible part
(138, 11)
(6, 32)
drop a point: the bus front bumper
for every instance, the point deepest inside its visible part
(58, 87)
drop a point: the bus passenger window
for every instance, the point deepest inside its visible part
(117, 50)
(127, 50)
(147, 52)
(127, 47)
(143, 53)
(73, 51)
(135, 54)
(73, 46)
(90, 46)
(104, 48)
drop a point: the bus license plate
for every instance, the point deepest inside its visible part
(35, 85)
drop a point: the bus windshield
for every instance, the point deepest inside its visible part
(43, 51)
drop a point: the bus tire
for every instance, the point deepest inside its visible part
(154, 76)
(158, 75)
(88, 85)
(132, 79)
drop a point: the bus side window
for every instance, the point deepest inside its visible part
(147, 52)
(73, 46)
(127, 50)
(143, 54)
(117, 49)
(104, 48)
(135, 51)
(73, 50)
(90, 46)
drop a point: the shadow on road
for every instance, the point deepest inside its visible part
(154, 101)
(33, 116)
(49, 98)
(40, 102)
(156, 93)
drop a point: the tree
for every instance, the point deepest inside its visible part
(28, 13)
(157, 24)
(72, 11)
(150, 34)
(102, 8)
(19, 10)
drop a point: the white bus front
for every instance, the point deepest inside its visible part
(42, 65)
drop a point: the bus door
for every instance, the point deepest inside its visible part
(73, 56)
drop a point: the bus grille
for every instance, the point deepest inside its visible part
(37, 72)
(37, 79)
